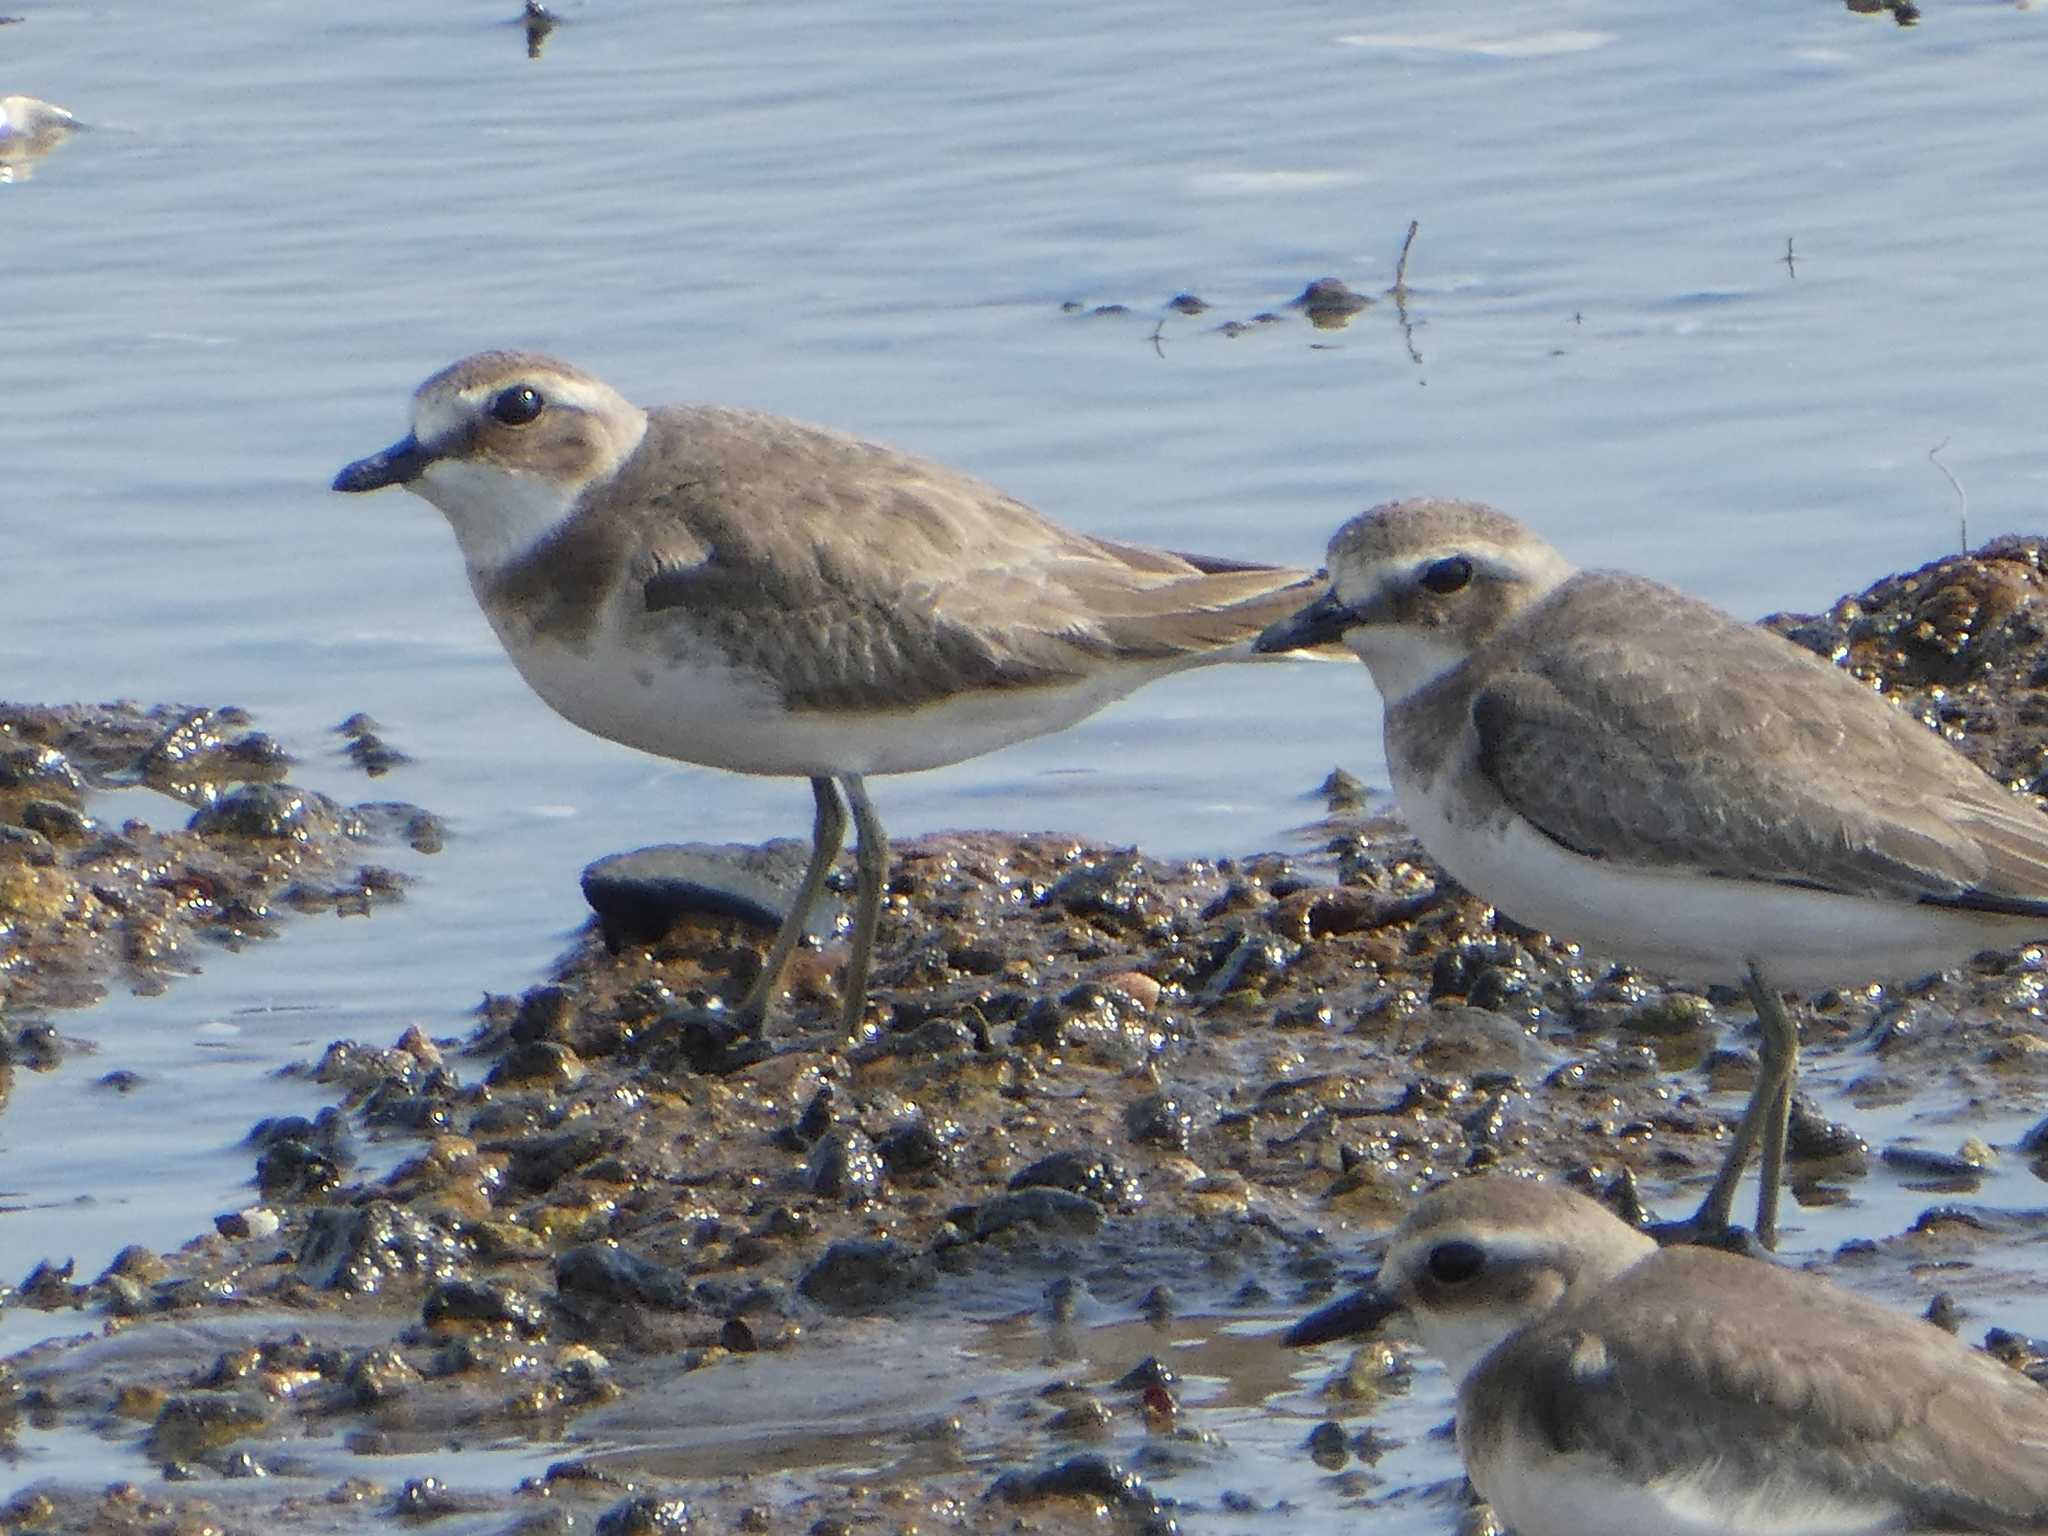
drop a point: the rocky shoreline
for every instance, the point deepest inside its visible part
(1096, 1090)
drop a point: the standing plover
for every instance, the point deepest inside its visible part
(1616, 763)
(1607, 1387)
(746, 592)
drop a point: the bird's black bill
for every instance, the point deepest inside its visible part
(400, 464)
(1346, 1317)
(1322, 622)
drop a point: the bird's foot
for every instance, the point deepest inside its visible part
(1702, 1230)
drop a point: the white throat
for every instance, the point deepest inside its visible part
(1461, 1340)
(1402, 659)
(498, 514)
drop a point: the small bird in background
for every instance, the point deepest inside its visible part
(747, 592)
(1618, 764)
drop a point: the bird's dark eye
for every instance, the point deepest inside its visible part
(1454, 1263)
(1449, 575)
(516, 406)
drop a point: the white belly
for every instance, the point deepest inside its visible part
(1537, 1492)
(1698, 928)
(700, 709)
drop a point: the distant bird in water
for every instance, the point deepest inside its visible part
(30, 129)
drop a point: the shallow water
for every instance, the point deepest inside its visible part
(281, 220)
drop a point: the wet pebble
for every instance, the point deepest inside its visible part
(1091, 1478)
(1927, 1163)
(29, 771)
(639, 896)
(254, 1221)
(270, 812)
(1327, 1446)
(1052, 1210)
(359, 1248)
(538, 1064)
(1813, 1138)
(1160, 1120)
(456, 1303)
(1112, 889)
(1329, 302)
(1092, 1023)
(605, 1272)
(844, 1166)
(1084, 1173)
(190, 1426)
(915, 1147)
(646, 1514)
(863, 1274)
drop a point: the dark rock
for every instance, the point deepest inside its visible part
(1090, 1478)
(538, 1064)
(844, 1166)
(1084, 1173)
(690, 1040)
(359, 1248)
(1112, 889)
(639, 896)
(188, 1427)
(486, 1302)
(606, 1272)
(271, 812)
(646, 1514)
(1055, 1210)
(858, 1275)
(1098, 1025)
(1159, 1120)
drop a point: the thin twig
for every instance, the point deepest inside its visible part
(1399, 294)
(1400, 288)
(1955, 485)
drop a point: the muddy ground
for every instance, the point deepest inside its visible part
(1095, 1091)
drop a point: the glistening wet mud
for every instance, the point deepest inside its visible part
(1018, 1250)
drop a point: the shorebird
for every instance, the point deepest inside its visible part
(1609, 1387)
(30, 129)
(747, 592)
(1611, 761)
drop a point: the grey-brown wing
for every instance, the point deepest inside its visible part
(1663, 728)
(1706, 1361)
(857, 576)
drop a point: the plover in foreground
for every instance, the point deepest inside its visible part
(1607, 1387)
(746, 592)
(1618, 764)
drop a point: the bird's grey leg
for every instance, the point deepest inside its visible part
(871, 867)
(1763, 1121)
(828, 836)
(1780, 1056)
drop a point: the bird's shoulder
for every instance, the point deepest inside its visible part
(1694, 1355)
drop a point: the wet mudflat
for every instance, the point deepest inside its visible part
(1016, 1251)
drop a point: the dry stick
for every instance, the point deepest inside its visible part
(1400, 288)
(1399, 293)
(1955, 485)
